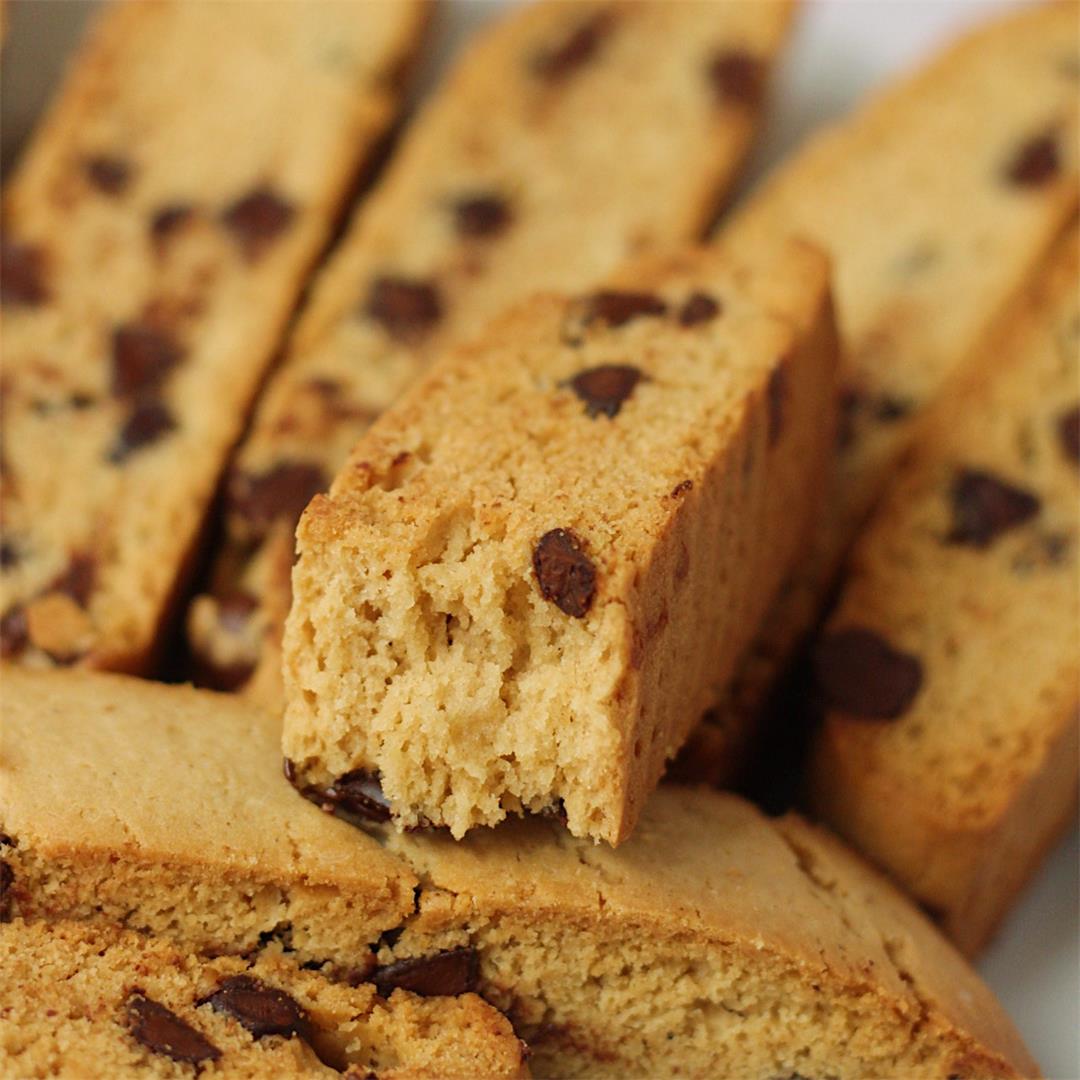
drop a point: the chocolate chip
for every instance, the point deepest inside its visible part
(162, 1031)
(888, 409)
(358, 792)
(405, 308)
(576, 50)
(617, 308)
(288, 767)
(279, 494)
(169, 220)
(682, 488)
(22, 274)
(108, 174)
(699, 308)
(738, 77)
(148, 422)
(605, 388)
(1036, 162)
(7, 879)
(481, 215)
(257, 220)
(446, 974)
(14, 632)
(262, 1009)
(77, 581)
(9, 555)
(858, 672)
(776, 397)
(566, 574)
(984, 507)
(1069, 434)
(142, 357)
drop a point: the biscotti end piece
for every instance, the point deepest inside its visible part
(520, 587)
(183, 824)
(81, 1001)
(952, 666)
(157, 233)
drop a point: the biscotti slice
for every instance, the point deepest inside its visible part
(935, 202)
(79, 1001)
(156, 237)
(182, 823)
(568, 137)
(523, 583)
(715, 942)
(951, 668)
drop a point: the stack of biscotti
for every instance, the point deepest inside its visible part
(567, 138)
(96, 1001)
(716, 942)
(156, 236)
(523, 583)
(936, 202)
(951, 667)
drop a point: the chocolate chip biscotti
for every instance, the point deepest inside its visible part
(156, 236)
(936, 201)
(529, 573)
(951, 668)
(715, 942)
(568, 137)
(79, 1001)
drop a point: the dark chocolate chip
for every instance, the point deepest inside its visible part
(279, 494)
(7, 879)
(574, 51)
(406, 309)
(257, 220)
(14, 631)
(77, 581)
(699, 308)
(617, 307)
(9, 555)
(22, 274)
(446, 974)
(147, 422)
(358, 792)
(481, 215)
(858, 672)
(565, 573)
(288, 767)
(262, 1009)
(738, 77)
(142, 358)
(1035, 162)
(605, 388)
(162, 1031)
(169, 220)
(1069, 433)
(985, 506)
(776, 397)
(109, 175)
(682, 488)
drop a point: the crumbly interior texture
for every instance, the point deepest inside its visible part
(183, 824)
(66, 996)
(715, 942)
(568, 138)
(975, 158)
(963, 790)
(156, 236)
(435, 639)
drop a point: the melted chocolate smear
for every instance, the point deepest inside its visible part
(985, 506)
(446, 974)
(859, 673)
(162, 1031)
(603, 389)
(566, 575)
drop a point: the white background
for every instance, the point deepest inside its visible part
(841, 48)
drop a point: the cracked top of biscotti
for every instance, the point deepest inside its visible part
(178, 798)
(568, 137)
(952, 664)
(156, 235)
(78, 1001)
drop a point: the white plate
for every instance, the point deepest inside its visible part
(842, 48)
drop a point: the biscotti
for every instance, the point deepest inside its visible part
(951, 668)
(935, 202)
(79, 1001)
(715, 942)
(156, 237)
(529, 573)
(569, 137)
